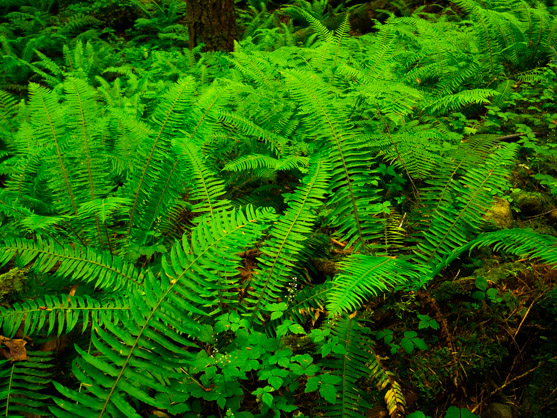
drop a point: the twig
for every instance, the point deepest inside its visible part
(514, 379)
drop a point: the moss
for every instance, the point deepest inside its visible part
(12, 282)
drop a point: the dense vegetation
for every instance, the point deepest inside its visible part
(320, 223)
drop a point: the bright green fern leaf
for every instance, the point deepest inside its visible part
(281, 253)
(362, 277)
(142, 356)
(24, 385)
(79, 263)
(59, 313)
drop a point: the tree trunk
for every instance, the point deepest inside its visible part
(212, 22)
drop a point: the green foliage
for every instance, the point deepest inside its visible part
(187, 199)
(24, 384)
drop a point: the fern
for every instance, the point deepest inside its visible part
(79, 263)
(152, 155)
(394, 396)
(364, 276)
(206, 188)
(122, 181)
(349, 364)
(455, 219)
(520, 242)
(308, 303)
(24, 383)
(145, 353)
(353, 213)
(59, 314)
(283, 250)
(8, 110)
(255, 161)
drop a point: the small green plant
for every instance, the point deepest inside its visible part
(408, 342)
(484, 293)
(427, 322)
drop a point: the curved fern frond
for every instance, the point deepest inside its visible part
(79, 263)
(255, 161)
(60, 314)
(362, 276)
(460, 216)
(275, 141)
(153, 153)
(460, 99)
(143, 355)
(355, 189)
(205, 188)
(282, 251)
(251, 162)
(504, 90)
(348, 363)
(521, 242)
(23, 385)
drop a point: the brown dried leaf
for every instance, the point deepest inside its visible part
(16, 348)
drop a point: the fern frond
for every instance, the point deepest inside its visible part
(504, 90)
(460, 99)
(394, 235)
(47, 64)
(275, 142)
(394, 396)
(255, 161)
(461, 214)
(205, 188)
(60, 314)
(142, 356)
(153, 154)
(363, 276)
(250, 162)
(520, 242)
(24, 385)
(11, 206)
(355, 194)
(78, 22)
(85, 125)
(350, 365)
(282, 251)
(413, 148)
(79, 263)
(24, 171)
(8, 110)
(308, 303)
(49, 132)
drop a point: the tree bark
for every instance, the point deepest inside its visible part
(211, 22)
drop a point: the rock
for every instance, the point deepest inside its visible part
(498, 410)
(499, 216)
(530, 203)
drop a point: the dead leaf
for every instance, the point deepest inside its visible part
(16, 348)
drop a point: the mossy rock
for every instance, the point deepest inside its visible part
(499, 216)
(530, 203)
(12, 282)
